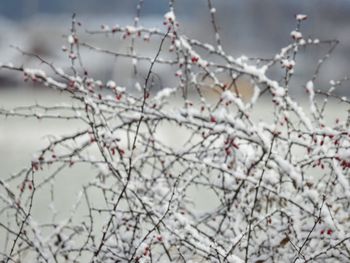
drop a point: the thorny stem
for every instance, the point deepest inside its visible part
(145, 96)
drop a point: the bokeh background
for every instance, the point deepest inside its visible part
(250, 27)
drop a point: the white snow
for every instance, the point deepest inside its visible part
(296, 35)
(70, 39)
(170, 16)
(301, 17)
(164, 93)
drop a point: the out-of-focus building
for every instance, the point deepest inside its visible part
(250, 27)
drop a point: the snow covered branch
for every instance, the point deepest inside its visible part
(275, 188)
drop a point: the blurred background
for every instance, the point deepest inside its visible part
(250, 27)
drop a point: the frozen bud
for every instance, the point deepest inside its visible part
(169, 17)
(70, 39)
(178, 73)
(296, 35)
(72, 56)
(310, 86)
(194, 59)
(99, 83)
(302, 42)
(301, 17)
(289, 64)
(111, 84)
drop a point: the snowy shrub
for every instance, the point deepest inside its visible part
(274, 188)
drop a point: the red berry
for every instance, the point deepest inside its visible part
(194, 59)
(121, 152)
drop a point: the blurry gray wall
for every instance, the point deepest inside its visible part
(251, 27)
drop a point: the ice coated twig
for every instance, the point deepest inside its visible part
(275, 190)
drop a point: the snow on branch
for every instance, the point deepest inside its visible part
(275, 190)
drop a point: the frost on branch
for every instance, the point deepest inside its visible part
(272, 189)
